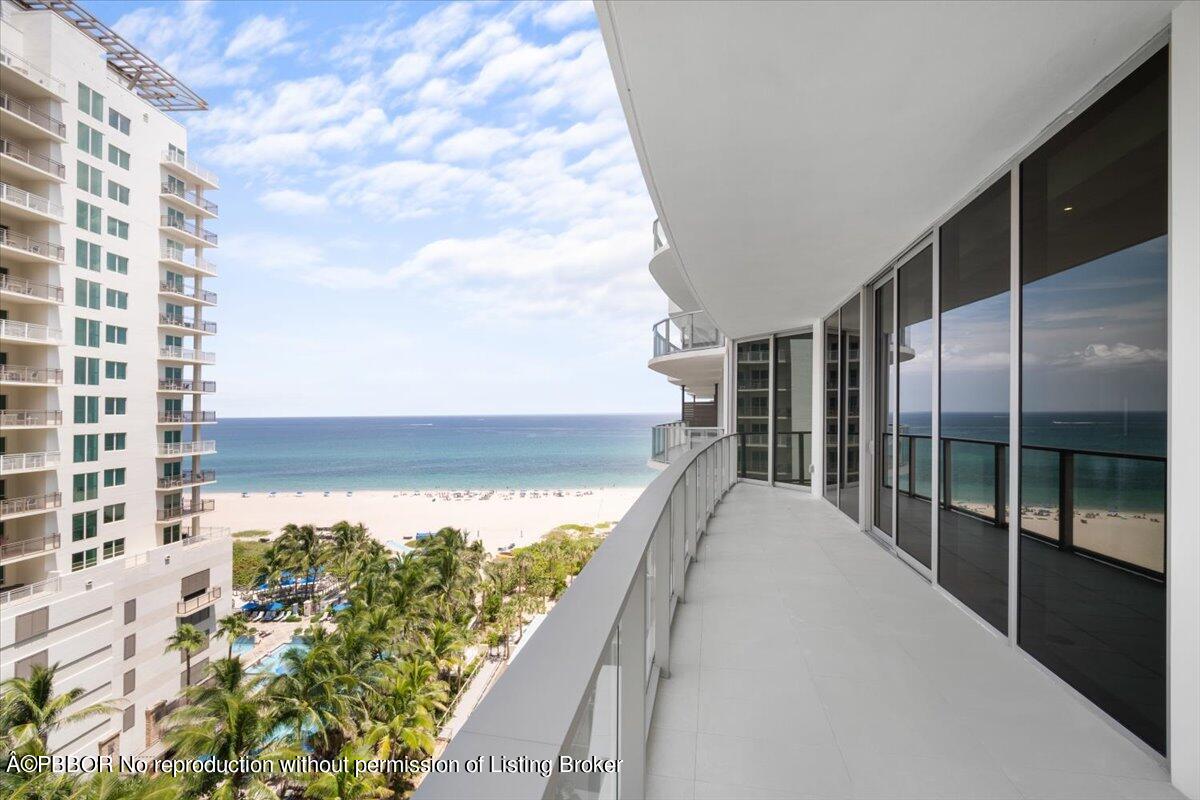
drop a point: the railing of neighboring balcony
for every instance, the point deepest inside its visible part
(180, 385)
(186, 417)
(186, 354)
(190, 228)
(37, 247)
(29, 418)
(187, 479)
(691, 331)
(585, 682)
(670, 438)
(180, 159)
(25, 547)
(34, 202)
(12, 373)
(30, 114)
(184, 607)
(28, 288)
(15, 462)
(22, 153)
(185, 510)
(189, 197)
(41, 78)
(197, 448)
(37, 502)
(180, 254)
(182, 322)
(177, 287)
(975, 471)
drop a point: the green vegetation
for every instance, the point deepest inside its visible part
(376, 680)
(251, 534)
(249, 563)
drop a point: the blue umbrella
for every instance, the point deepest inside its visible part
(262, 587)
(251, 606)
(286, 582)
(276, 606)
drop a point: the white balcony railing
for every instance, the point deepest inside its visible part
(24, 505)
(182, 161)
(192, 604)
(41, 78)
(28, 244)
(34, 202)
(12, 373)
(27, 547)
(694, 330)
(670, 439)
(189, 228)
(29, 331)
(196, 448)
(179, 255)
(17, 462)
(34, 116)
(186, 354)
(27, 288)
(598, 654)
(36, 160)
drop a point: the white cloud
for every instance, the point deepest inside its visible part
(476, 144)
(408, 69)
(565, 14)
(1119, 354)
(260, 36)
(292, 201)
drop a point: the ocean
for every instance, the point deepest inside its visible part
(468, 452)
(1102, 482)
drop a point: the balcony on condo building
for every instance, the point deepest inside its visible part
(183, 166)
(21, 247)
(14, 550)
(177, 290)
(187, 480)
(185, 324)
(193, 604)
(186, 355)
(176, 511)
(193, 201)
(185, 386)
(15, 507)
(22, 119)
(16, 463)
(28, 80)
(22, 161)
(189, 232)
(20, 204)
(177, 449)
(30, 418)
(15, 289)
(186, 417)
(176, 257)
(30, 376)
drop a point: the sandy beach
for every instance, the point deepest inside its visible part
(499, 517)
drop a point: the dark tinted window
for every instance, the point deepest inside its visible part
(914, 471)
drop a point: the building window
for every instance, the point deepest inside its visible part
(115, 513)
(83, 560)
(114, 477)
(114, 298)
(87, 371)
(793, 408)
(114, 441)
(87, 216)
(753, 399)
(87, 409)
(89, 141)
(91, 102)
(84, 486)
(87, 255)
(87, 293)
(130, 649)
(115, 370)
(87, 332)
(118, 121)
(118, 264)
(118, 192)
(114, 405)
(130, 611)
(86, 447)
(83, 526)
(115, 334)
(89, 179)
(118, 228)
(171, 534)
(117, 156)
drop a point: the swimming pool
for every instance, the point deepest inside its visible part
(243, 645)
(273, 662)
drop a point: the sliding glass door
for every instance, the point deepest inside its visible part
(883, 485)
(793, 409)
(914, 465)
(753, 407)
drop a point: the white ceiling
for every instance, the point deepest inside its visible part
(792, 149)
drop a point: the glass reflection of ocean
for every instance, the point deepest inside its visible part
(1101, 483)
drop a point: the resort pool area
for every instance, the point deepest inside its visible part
(243, 645)
(273, 662)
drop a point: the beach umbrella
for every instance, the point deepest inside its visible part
(276, 606)
(251, 606)
(262, 587)
(288, 581)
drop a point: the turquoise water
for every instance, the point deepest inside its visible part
(243, 645)
(346, 453)
(273, 662)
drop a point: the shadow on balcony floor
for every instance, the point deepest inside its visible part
(809, 662)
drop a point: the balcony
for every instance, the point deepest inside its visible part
(186, 480)
(28, 548)
(12, 463)
(194, 604)
(178, 385)
(18, 592)
(31, 504)
(20, 204)
(30, 376)
(183, 354)
(29, 418)
(174, 512)
(190, 294)
(688, 349)
(20, 247)
(176, 258)
(188, 325)
(179, 163)
(20, 160)
(24, 120)
(177, 449)
(670, 439)
(188, 231)
(807, 661)
(200, 204)
(186, 417)
(12, 330)
(17, 290)
(31, 79)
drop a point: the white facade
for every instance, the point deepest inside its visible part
(103, 300)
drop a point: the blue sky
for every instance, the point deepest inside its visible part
(425, 208)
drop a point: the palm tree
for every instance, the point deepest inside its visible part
(189, 640)
(316, 699)
(348, 781)
(30, 710)
(406, 697)
(442, 646)
(348, 545)
(303, 551)
(233, 627)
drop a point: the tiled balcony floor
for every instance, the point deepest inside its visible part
(808, 662)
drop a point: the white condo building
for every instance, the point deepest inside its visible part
(927, 523)
(104, 237)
